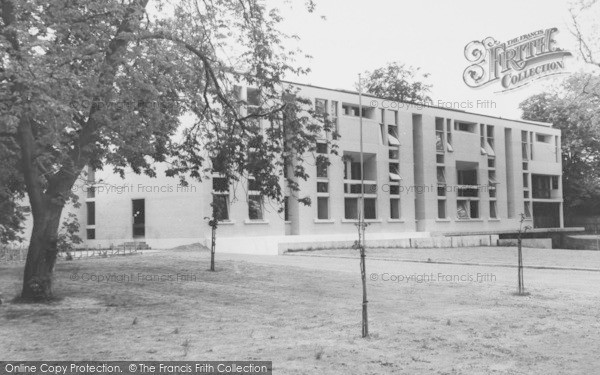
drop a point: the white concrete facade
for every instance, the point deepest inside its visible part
(434, 165)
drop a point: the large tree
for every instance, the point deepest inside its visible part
(573, 108)
(105, 83)
(398, 82)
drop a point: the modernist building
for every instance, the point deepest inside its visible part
(427, 171)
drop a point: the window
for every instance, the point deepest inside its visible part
(474, 209)
(321, 148)
(525, 166)
(90, 233)
(439, 134)
(462, 209)
(441, 208)
(219, 184)
(354, 110)
(253, 185)
(449, 135)
(323, 208)
(370, 208)
(492, 178)
(441, 191)
(91, 213)
(252, 96)
(467, 209)
(394, 154)
(91, 180)
(556, 150)
(554, 182)
(441, 175)
(220, 207)
(334, 114)
(394, 208)
(286, 208)
(525, 180)
(322, 187)
(465, 127)
(255, 207)
(350, 110)
(139, 217)
(527, 209)
(321, 106)
(524, 146)
(393, 136)
(466, 176)
(351, 208)
(526, 194)
(482, 136)
(355, 170)
(493, 210)
(531, 145)
(489, 145)
(544, 138)
(394, 172)
(492, 191)
(321, 169)
(439, 158)
(491, 163)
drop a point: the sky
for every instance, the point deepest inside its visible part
(359, 36)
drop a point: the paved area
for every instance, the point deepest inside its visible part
(502, 256)
(558, 280)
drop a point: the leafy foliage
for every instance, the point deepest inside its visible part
(97, 83)
(398, 82)
(107, 83)
(574, 110)
(68, 236)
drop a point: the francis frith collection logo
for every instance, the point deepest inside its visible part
(514, 63)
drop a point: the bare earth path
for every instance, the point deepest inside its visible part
(303, 313)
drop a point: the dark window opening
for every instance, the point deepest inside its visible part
(91, 213)
(139, 217)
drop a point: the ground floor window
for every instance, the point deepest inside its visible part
(255, 207)
(493, 210)
(370, 208)
(441, 208)
(351, 206)
(221, 207)
(323, 208)
(394, 208)
(467, 209)
(138, 207)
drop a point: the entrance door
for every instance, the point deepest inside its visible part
(139, 218)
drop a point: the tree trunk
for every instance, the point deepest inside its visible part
(41, 256)
(213, 245)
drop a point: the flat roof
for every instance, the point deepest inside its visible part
(529, 122)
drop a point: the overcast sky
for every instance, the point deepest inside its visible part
(431, 34)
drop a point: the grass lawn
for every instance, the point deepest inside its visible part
(303, 313)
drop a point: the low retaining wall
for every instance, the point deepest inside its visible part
(401, 243)
(583, 242)
(537, 243)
